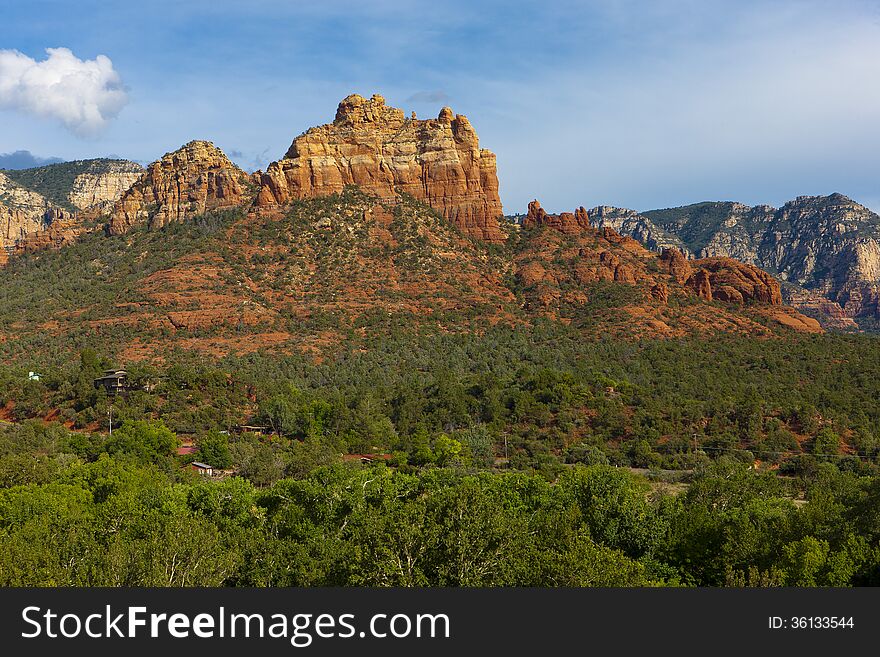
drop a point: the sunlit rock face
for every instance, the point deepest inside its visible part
(192, 180)
(378, 148)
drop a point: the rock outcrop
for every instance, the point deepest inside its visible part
(674, 263)
(630, 222)
(610, 283)
(621, 220)
(369, 144)
(62, 229)
(721, 279)
(39, 207)
(711, 279)
(103, 183)
(726, 279)
(190, 181)
(567, 223)
(22, 212)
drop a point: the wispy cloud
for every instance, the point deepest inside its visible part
(83, 94)
(779, 100)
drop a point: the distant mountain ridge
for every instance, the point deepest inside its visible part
(827, 245)
(48, 205)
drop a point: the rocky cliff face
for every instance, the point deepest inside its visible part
(721, 279)
(80, 184)
(192, 180)
(61, 229)
(100, 187)
(22, 211)
(378, 148)
(729, 280)
(814, 304)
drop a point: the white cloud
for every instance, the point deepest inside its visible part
(83, 94)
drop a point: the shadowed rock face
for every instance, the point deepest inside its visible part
(378, 148)
(192, 180)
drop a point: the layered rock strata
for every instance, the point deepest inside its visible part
(369, 144)
(190, 181)
(101, 186)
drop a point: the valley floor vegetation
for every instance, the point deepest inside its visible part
(513, 457)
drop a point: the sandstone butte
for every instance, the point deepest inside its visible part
(711, 279)
(194, 179)
(438, 161)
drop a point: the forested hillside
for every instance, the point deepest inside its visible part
(507, 458)
(133, 519)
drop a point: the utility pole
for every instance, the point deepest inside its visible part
(110, 415)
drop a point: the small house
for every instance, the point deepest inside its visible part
(34, 376)
(202, 468)
(113, 381)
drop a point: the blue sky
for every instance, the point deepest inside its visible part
(616, 102)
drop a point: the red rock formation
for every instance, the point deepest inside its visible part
(734, 281)
(192, 180)
(699, 282)
(369, 144)
(568, 223)
(578, 223)
(22, 212)
(660, 291)
(673, 262)
(610, 284)
(719, 279)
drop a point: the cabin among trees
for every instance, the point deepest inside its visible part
(113, 381)
(202, 468)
